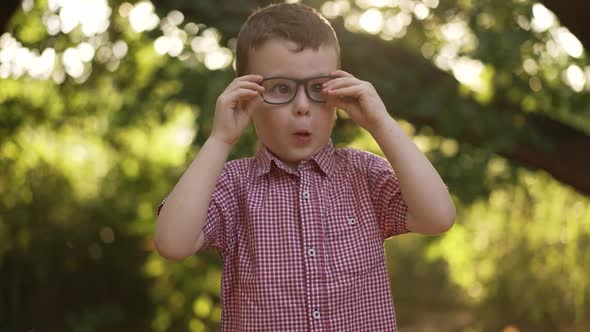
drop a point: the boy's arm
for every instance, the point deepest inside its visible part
(180, 222)
(179, 228)
(430, 208)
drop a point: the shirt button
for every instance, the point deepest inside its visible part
(316, 314)
(306, 194)
(351, 221)
(311, 252)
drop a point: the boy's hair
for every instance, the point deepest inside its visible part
(298, 23)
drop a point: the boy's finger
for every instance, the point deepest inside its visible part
(341, 73)
(247, 85)
(251, 77)
(241, 94)
(340, 82)
(347, 91)
(346, 106)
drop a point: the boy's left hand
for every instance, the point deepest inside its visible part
(357, 98)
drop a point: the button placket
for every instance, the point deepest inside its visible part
(311, 231)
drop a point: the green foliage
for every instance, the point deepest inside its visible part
(525, 245)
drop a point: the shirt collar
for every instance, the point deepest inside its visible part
(325, 159)
(263, 160)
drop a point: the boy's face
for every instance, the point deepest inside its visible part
(296, 130)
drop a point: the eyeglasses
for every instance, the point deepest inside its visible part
(282, 90)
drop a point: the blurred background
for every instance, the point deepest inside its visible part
(104, 103)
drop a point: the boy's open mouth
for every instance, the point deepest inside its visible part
(302, 133)
(302, 137)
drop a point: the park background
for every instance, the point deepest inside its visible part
(104, 103)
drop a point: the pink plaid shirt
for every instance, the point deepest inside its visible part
(303, 249)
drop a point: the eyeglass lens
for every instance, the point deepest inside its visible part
(283, 90)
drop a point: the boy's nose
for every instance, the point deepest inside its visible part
(301, 102)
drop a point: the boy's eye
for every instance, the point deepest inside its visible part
(316, 88)
(282, 88)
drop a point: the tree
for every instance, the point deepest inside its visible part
(557, 153)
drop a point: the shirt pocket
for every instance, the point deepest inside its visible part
(354, 245)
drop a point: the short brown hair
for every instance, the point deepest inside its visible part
(294, 22)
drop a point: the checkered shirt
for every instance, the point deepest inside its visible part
(303, 249)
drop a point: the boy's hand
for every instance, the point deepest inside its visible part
(233, 109)
(357, 98)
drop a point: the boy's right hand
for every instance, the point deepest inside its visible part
(234, 108)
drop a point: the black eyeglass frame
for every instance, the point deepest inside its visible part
(298, 83)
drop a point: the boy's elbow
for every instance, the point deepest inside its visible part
(170, 250)
(437, 221)
(446, 219)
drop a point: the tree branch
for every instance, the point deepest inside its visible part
(420, 93)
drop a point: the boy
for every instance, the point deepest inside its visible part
(301, 225)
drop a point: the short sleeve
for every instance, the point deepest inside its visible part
(386, 196)
(220, 214)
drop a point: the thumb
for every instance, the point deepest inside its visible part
(346, 105)
(247, 107)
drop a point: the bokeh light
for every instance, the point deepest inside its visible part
(142, 17)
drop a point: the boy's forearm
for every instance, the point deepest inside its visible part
(181, 220)
(430, 208)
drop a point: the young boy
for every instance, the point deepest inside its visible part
(301, 225)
